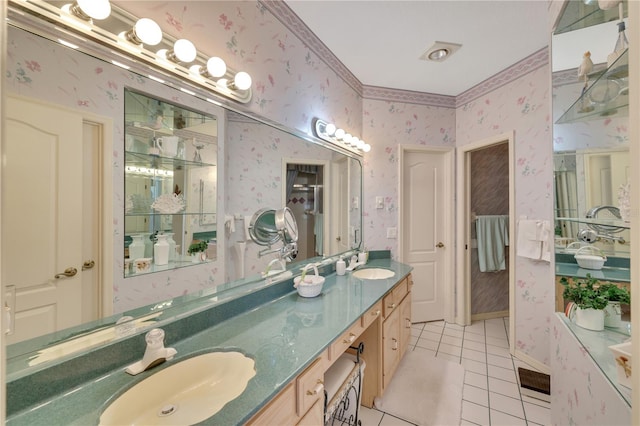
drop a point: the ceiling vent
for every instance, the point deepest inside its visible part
(439, 51)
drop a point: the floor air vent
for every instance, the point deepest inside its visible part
(535, 384)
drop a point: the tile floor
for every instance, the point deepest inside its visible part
(491, 395)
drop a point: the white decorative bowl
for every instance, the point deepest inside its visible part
(590, 257)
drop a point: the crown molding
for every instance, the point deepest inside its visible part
(408, 96)
(289, 19)
(530, 63)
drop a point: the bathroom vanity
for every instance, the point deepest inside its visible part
(293, 341)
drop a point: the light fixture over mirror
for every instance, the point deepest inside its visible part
(89, 9)
(97, 21)
(338, 137)
(145, 31)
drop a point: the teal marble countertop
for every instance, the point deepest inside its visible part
(283, 336)
(597, 345)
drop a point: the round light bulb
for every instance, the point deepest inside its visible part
(223, 82)
(366, 147)
(339, 134)
(347, 138)
(148, 31)
(242, 80)
(96, 9)
(216, 67)
(184, 50)
(354, 141)
(330, 129)
(360, 144)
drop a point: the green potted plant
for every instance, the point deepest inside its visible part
(617, 295)
(589, 300)
(197, 251)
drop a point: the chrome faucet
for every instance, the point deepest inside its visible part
(353, 263)
(154, 354)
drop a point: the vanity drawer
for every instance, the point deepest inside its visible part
(280, 411)
(371, 315)
(343, 342)
(310, 386)
(393, 299)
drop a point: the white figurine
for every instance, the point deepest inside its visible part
(585, 67)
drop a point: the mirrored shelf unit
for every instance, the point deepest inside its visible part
(607, 96)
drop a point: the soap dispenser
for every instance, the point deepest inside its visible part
(341, 266)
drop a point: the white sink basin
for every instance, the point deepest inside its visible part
(373, 274)
(187, 392)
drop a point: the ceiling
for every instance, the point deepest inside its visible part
(381, 42)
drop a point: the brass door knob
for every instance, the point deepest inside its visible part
(69, 272)
(440, 245)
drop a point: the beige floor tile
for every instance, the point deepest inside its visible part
(476, 395)
(506, 404)
(475, 413)
(502, 419)
(475, 379)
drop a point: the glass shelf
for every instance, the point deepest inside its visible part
(136, 159)
(578, 15)
(607, 96)
(185, 262)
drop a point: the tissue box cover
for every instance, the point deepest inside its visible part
(622, 356)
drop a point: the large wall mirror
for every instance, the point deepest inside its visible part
(591, 145)
(247, 160)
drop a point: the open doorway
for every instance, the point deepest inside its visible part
(486, 238)
(305, 196)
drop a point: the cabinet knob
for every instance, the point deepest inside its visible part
(351, 339)
(376, 313)
(394, 347)
(317, 389)
(440, 245)
(392, 306)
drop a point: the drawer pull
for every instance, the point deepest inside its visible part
(392, 306)
(376, 313)
(351, 339)
(395, 344)
(408, 322)
(317, 389)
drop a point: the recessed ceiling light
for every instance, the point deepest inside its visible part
(440, 51)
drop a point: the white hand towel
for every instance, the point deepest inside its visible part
(547, 243)
(527, 244)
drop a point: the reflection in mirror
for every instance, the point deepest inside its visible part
(170, 177)
(591, 161)
(250, 153)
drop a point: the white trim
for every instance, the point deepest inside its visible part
(448, 219)
(463, 285)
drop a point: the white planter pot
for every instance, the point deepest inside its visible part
(613, 315)
(591, 319)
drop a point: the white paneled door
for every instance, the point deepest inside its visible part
(426, 222)
(42, 217)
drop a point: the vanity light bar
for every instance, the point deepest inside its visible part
(330, 133)
(175, 57)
